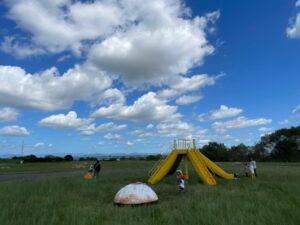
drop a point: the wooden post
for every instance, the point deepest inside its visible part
(186, 167)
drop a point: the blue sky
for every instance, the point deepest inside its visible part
(105, 77)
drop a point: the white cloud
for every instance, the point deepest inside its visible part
(61, 25)
(265, 129)
(240, 122)
(39, 145)
(146, 108)
(131, 38)
(10, 45)
(129, 143)
(14, 131)
(175, 129)
(284, 122)
(8, 114)
(111, 136)
(48, 90)
(62, 121)
(150, 126)
(293, 31)
(180, 85)
(188, 99)
(92, 128)
(221, 113)
(296, 111)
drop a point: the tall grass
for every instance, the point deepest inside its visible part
(272, 198)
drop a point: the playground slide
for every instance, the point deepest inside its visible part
(214, 168)
(200, 168)
(163, 169)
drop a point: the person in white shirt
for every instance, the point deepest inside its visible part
(253, 165)
(251, 170)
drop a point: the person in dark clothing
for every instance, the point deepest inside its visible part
(97, 168)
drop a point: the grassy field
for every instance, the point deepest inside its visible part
(272, 198)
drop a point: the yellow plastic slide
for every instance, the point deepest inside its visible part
(200, 168)
(164, 168)
(214, 168)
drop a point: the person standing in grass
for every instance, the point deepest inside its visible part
(251, 170)
(253, 162)
(180, 180)
(97, 168)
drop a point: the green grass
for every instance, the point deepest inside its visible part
(272, 198)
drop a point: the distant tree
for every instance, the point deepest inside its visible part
(281, 145)
(68, 158)
(215, 151)
(286, 150)
(153, 157)
(238, 153)
(30, 158)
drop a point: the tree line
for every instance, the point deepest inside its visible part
(47, 158)
(281, 145)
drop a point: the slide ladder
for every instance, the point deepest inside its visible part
(162, 170)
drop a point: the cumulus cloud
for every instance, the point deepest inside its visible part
(221, 113)
(265, 129)
(111, 136)
(284, 122)
(145, 53)
(180, 85)
(49, 90)
(188, 99)
(150, 126)
(92, 128)
(8, 114)
(129, 143)
(240, 122)
(62, 121)
(11, 46)
(147, 108)
(140, 42)
(14, 131)
(39, 145)
(293, 31)
(175, 129)
(61, 25)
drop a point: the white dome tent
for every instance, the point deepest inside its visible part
(135, 194)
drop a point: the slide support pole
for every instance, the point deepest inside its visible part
(186, 167)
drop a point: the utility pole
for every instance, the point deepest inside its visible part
(22, 152)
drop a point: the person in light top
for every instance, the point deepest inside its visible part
(251, 169)
(253, 162)
(180, 180)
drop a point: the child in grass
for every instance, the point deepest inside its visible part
(180, 180)
(91, 169)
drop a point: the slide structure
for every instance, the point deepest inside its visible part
(204, 167)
